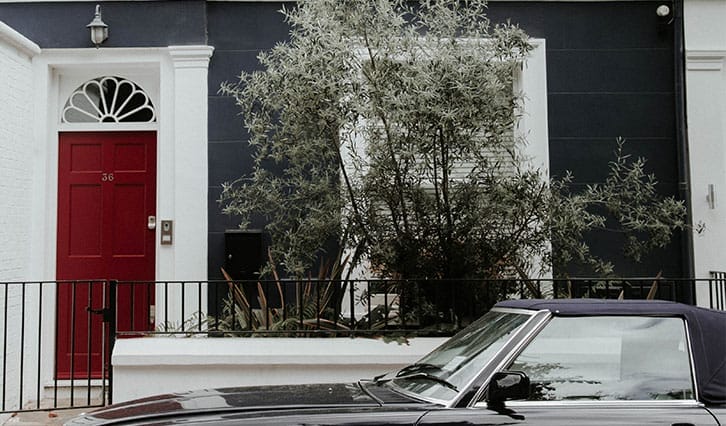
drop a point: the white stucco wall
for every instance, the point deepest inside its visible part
(150, 366)
(16, 171)
(705, 38)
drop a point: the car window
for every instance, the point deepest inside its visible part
(608, 358)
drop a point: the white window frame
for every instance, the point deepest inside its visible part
(532, 127)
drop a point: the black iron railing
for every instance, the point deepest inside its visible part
(55, 351)
(57, 336)
(360, 307)
(717, 290)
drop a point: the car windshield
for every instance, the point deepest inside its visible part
(441, 374)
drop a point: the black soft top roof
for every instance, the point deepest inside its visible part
(706, 327)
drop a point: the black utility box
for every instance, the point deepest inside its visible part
(243, 259)
(243, 254)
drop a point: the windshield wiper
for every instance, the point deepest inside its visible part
(408, 371)
(415, 368)
(427, 376)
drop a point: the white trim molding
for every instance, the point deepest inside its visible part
(191, 56)
(190, 178)
(706, 116)
(17, 40)
(190, 65)
(705, 60)
(705, 55)
(533, 123)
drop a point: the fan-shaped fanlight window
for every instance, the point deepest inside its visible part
(108, 100)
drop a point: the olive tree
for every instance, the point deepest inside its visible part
(386, 127)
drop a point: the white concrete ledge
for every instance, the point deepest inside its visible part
(149, 366)
(18, 41)
(266, 351)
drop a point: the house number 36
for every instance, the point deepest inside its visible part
(106, 177)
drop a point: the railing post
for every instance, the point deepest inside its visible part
(352, 306)
(111, 317)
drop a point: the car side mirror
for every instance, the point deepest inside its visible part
(506, 385)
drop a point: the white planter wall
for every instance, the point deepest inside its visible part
(150, 366)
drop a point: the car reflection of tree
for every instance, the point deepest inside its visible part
(546, 385)
(545, 382)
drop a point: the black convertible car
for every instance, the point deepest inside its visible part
(544, 362)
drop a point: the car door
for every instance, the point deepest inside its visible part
(595, 370)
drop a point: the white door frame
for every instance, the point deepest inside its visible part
(175, 78)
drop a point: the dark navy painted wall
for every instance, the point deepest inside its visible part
(610, 72)
(131, 24)
(238, 32)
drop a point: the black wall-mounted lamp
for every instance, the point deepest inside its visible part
(99, 29)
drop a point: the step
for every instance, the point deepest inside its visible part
(57, 394)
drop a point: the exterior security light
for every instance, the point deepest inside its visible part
(663, 11)
(99, 29)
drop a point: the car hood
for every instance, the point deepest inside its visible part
(246, 400)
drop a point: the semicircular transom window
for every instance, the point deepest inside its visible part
(109, 100)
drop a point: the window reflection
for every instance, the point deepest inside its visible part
(608, 358)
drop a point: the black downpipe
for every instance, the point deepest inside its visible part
(687, 294)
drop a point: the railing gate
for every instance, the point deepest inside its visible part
(56, 339)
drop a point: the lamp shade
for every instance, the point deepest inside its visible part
(99, 29)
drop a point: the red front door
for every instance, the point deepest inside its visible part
(106, 194)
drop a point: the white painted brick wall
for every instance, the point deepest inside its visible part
(16, 162)
(16, 168)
